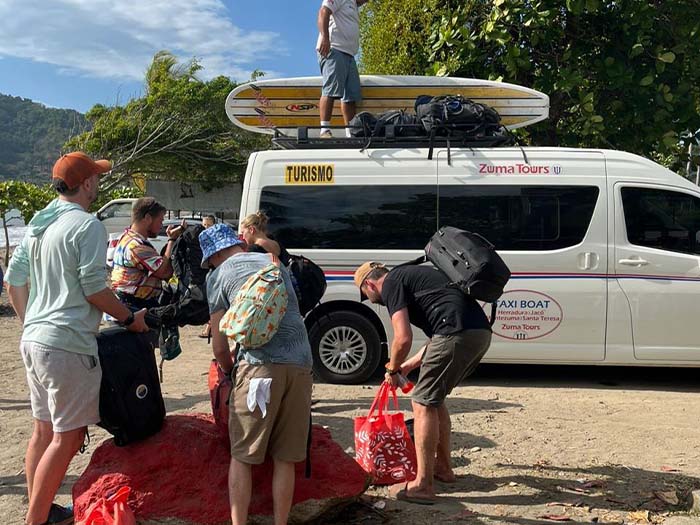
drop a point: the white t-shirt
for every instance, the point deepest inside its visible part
(344, 26)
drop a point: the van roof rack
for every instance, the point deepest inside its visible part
(441, 138)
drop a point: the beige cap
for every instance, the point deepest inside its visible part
(362, 272)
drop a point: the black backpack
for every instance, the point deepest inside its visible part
(187, 304)
(470, 262)
(309, 282)
(454, 114)
(131, 403)
(186, 257)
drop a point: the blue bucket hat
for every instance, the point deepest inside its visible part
(217, 238)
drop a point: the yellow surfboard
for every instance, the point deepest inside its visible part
(286, 104)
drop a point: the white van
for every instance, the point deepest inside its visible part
(116, 215)
(604, 246)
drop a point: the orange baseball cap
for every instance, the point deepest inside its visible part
(74, 168)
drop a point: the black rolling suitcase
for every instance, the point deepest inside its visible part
(131, 403)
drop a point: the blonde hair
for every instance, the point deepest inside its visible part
(258, 220)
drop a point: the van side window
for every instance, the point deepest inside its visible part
(521, 217)
(351, 217)
(662, 219)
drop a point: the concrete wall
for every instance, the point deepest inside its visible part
(225, 198)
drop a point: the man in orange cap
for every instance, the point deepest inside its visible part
(458, 334)
(57, 286)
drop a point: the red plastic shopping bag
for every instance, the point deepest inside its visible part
(383, 446)
(111, 511)
(220, 387)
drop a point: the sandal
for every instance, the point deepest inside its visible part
(400, 493)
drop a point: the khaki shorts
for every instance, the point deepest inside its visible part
(64, 387)
(448, 360)
(283, 432)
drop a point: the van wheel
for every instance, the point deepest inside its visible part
(346, 348)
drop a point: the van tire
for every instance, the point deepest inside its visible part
(341, 331)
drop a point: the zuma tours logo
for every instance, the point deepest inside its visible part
(518, 169)
(298, 108)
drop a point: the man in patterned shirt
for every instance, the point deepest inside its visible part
(138, 268)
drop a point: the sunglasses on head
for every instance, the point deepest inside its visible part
(151, 207)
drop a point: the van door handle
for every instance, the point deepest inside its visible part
(587, 260)
(633, 262)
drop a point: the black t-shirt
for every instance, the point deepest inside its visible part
(443, 311)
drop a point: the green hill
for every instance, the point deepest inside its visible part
(31, 136)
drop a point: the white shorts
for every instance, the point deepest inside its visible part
(64, 387)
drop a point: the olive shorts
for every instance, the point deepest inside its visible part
(448, 360)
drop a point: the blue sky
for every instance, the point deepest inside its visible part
(77, 53)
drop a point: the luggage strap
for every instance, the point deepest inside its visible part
(307, 465)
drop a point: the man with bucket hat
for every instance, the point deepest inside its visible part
(458, 337)
(57, 286)
(272, 387)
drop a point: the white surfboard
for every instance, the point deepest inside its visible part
(289, 103)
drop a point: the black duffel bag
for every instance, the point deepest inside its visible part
(456, 115)
(362, 124)
(366, 124)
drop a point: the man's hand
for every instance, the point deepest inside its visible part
(414, 362)
(173, 232)
(392, 380)
(139, 322)
(325, 47)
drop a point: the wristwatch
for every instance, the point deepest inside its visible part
(128, 320)
(392, 371)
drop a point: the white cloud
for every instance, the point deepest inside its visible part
(118, 38)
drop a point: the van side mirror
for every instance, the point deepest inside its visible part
(99, 216)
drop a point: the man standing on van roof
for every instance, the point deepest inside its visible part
(57, 286)
(271, 399)
(459, 336)
(338, 43)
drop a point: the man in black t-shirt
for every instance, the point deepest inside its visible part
(459, 335)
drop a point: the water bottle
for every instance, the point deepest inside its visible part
(404, 384)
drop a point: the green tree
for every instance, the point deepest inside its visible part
(177, 130)
(394, 36)
(619, 73)
(28, 198)
(31, 137)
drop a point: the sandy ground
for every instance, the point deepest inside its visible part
(587, 444)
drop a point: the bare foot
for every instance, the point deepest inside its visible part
(446, 477)
(402, 492)
(444, 474)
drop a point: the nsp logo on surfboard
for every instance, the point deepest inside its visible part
(309, 174)
(300, 107)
